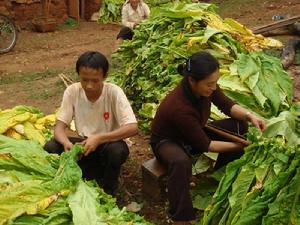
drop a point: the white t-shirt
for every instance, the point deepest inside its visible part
(131, 16)
(111, 110)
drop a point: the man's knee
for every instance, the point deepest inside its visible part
(117, 153)
(53, 146)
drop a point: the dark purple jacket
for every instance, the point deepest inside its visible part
(181, 117)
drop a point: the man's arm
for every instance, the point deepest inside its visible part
(123, 132)
(60, 135)
(125, 18)
(146, 10)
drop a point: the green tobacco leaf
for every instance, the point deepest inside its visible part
(284, 125)
(240, 188)
(202, 164)
(84, 198)
(286, 207)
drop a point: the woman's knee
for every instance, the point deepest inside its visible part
(183, 163)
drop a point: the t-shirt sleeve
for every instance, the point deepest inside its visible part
(125, 17)
(222, 101)
(191, 131)
(65, 113)
(123, 111)
(146, 10)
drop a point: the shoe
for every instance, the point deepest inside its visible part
(114, 189)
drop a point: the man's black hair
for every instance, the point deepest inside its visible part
(94, 60)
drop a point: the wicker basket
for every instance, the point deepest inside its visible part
(44, 24)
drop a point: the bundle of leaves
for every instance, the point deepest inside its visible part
(282, 135)
(110, 11)
(262, 187)
(26, 122)
(173, 33)
(41, 188)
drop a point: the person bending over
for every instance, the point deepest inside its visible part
(178, 129)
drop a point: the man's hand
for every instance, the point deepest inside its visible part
(67, 146)
(135, 24)
(257, 122)
(91, 143)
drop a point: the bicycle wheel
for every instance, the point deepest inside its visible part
(8, 34)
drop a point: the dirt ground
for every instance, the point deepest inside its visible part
(29, 75)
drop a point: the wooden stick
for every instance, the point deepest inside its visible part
(275, 25)
(67, 79)
(63, 79)
(48, 7)
(43, 7)
(227, 135)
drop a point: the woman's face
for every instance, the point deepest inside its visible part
(204, 88)
(134, 3)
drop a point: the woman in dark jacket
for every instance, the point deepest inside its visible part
(178, 129)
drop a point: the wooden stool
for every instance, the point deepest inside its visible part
(153, 173)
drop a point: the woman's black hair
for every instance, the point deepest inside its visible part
(199, 66)
(94, 60)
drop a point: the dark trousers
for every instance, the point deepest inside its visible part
(179, 165)
(104, 164)
(125, 33)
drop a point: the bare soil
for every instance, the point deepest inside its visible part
(29, 75)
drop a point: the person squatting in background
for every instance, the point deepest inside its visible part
(133, 13)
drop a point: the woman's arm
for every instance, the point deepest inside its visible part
(238, 112)
(224, 146)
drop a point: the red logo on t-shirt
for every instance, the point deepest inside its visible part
(106, 115)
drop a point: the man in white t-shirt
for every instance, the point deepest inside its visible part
(133, 13)
(103, 118)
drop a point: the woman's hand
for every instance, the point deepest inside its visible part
(256, 121)
(240, 113)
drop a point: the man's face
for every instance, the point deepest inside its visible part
(134, 3)
(91, 81)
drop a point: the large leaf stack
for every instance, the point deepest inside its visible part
(173, 33)
(41, 188)
(26, 122)
(262, 187)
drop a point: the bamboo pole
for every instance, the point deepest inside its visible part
(227, 135)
